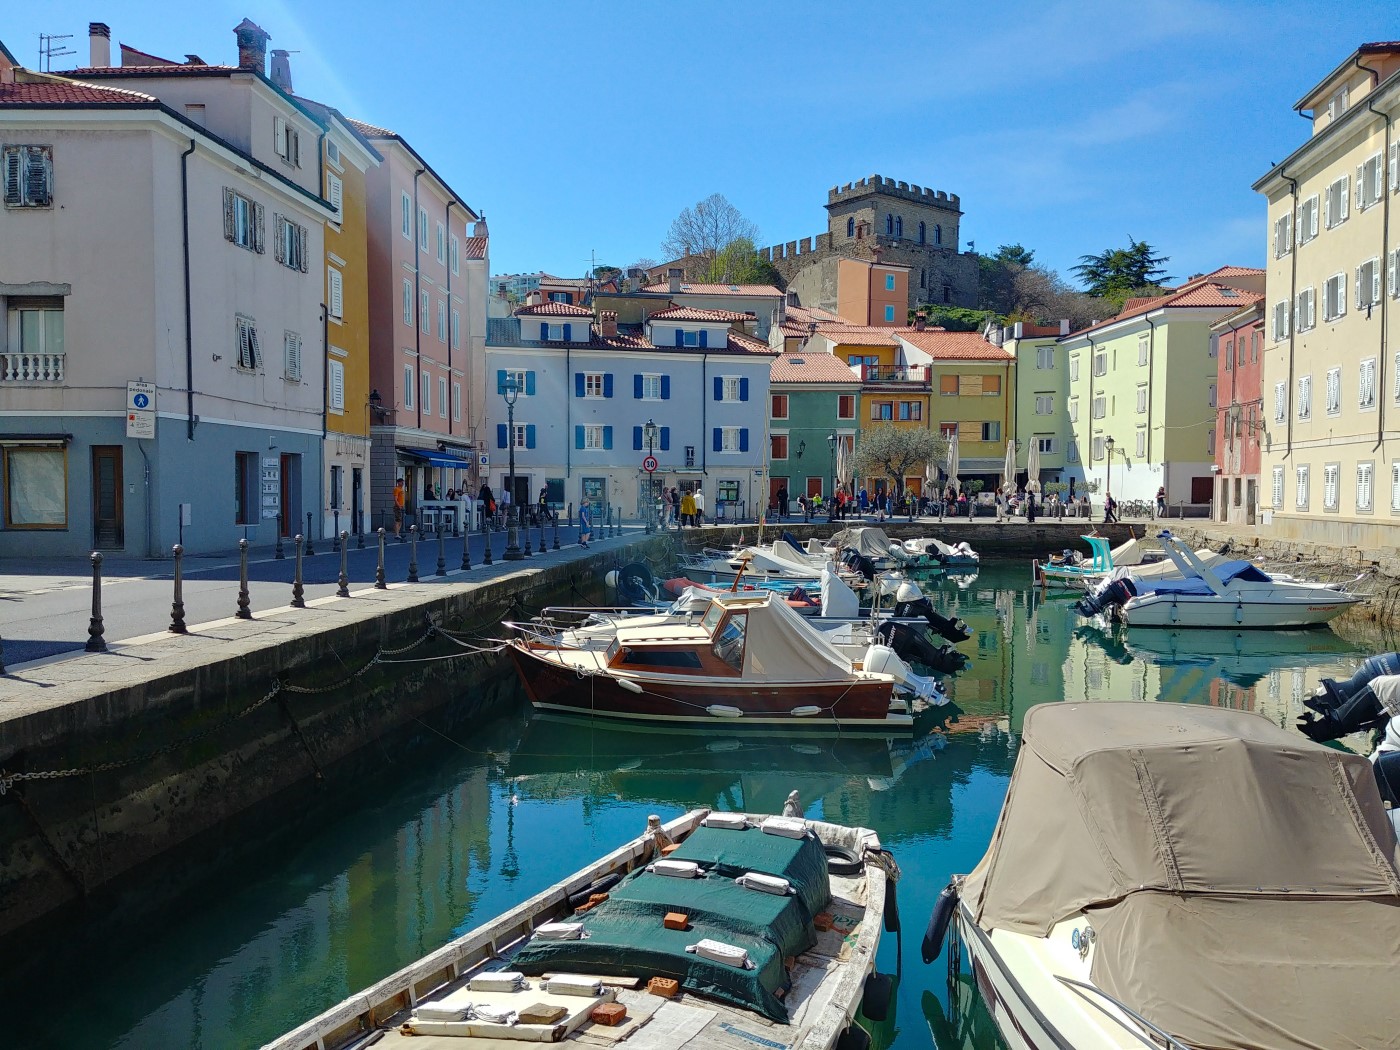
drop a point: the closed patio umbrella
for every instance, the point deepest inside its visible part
(1008, 470)
(1033, 467)
(952, 462)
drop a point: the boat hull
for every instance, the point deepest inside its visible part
(1022, 1024)
(552, 686)
(1167, 610)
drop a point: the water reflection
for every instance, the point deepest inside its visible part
(238, 937)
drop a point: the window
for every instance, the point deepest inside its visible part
(947, 293)
(1099, 407)
(911, 410)
(1278, 488)
(1210, 442)
(1072, 451)
(441, 244)
(457, 401)
(1334, 391)
(408, 302)
(406, 216)
(1365, 484)
(1392, 273)
(923, 277)
(1280, 402)
(889, 282)
(1394, 165)
(1307, 220)
(455, 254)
(882, 410)
(245, 500)
(937, 234)
(1334, 297)
(1096, 447)
(289, 244)
(1300, 475)
(1337, 104)
(1229, 356)
(851, 226)
(249, 352)
(335, 385)
(731, 440)
(1335, 205)
(427, 394)
(1074, 410)
(36, 487)
(423, 229)
(425, 311)
(333, 153)
(700, 338)
(1305, 397)
(521, 437)
(1280, 321)
(36, 331)
(889, 313)
(291, 356)
(194, 113)
(335, 192)
(846, 406)
(1255, 338)
(335, 292)
(1141, 444)
(1305, 313)
(923, 233)
(407, 386)
(991, 431)
(1366, 386)
(947, 431)
(456, 330)
(1211, 394)
(1044, 404)
(1239, 350)
(1044, 357)
(1370, 185)
(1283, 235)
(442, 397)
(778, 446)
(779, 405)
(1045, 444)
(593, 384)
(442, 321)
(899, 226)
(947, 385)
(650, 387)
(1368, 284)
(732, 389)
(1074, 368)
(1331, 474)
(1395, 486)
(243, 221)
(286, 143)
(1142, 398)
(28, 176)
(524, 381)
(889, 225)
(1101, 363)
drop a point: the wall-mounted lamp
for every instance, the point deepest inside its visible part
(801, 448)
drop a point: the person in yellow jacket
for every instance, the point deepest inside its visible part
(688, 509)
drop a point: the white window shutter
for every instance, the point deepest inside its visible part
(1343, 210)
(1312, 307)
(1361, 195)
(279, 136)
(1327, 207)
(257, 349)
(1359, 301)
(1393, 164)
(1390, 273)
(337, 385)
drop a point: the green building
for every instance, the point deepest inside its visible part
(813, 397)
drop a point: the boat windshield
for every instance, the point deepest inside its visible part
(711, 620)
(729, 645)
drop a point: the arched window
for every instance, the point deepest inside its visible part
(922, 233)
(851, 226)
(899, 225)
(938, 234)
(889, 225)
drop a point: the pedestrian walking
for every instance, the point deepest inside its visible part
(399, 496)
(1110, 511)
(699, 506)
(1030, 508)
(782, 501)
(688, 510)
(585, 523)
(1161, 501)
(544, 504)
(675, 503)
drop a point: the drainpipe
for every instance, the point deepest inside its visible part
(325, 409)
(569, 415)
(1152, 356)
(150, 541)
(704, 405)
(1288, 314)
(447, 214)
(1090, 405)
(1234, 381)
(189, 324)
(417, 304)
(1385, 248)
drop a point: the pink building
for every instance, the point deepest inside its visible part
(1239, 423)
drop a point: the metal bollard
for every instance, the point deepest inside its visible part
(343, 591)
(572, 519)
(277, 553)
(486, 536)
(310, 539)
(413, 554)
(556, 530)
(244, 604)
(441, 569)
(466, 549)
(525, 528)
(379, 582)
(335, 546)
(177, 604)
(360, 537)
(542, 547)
(298, 591)
(95, 642)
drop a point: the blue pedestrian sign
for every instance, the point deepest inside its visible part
(140, 397)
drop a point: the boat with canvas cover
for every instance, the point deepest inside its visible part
(933, 552)
(1182, 876)
(768, 927)
(748, 658)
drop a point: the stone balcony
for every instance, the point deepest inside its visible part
(31, 368)
(917, 375)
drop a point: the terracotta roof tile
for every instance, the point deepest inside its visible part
(1198, 293)
(162, 70)
(804, 314)
(860, 335)
(373, 131)
(955, 346)
(748, 344)
(719, 289)
(811, 367)
(553, 310)
(70, 92)
(692, 313)
(474, 248)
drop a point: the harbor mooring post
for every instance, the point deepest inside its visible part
(486, 535)
(413, 554)
(244, 604)
(441, 569)
(96, 643)
(298, 591)
(379, 582)
(177, 604)
(343, 590)
(310, 539)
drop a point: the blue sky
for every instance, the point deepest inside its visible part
(582, 128)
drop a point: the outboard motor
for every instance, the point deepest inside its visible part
(913, 645)
(1111, 594)
(857, 562)
(910, 602)
(636, 585)
(1349, 705)
(881, 659)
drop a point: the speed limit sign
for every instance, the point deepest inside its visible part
(649, 464)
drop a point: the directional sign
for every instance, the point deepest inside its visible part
(649, 464)
(140, 397)
(140, 424)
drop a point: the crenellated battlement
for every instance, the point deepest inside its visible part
(819, 244)
(891, 188)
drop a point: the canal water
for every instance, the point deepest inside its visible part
(250, 930)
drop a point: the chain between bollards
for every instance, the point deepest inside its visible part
(298, 591)
(486, 535)
(441, 569)
(413, 554)
(177, 602)
(95, 642)
(244, 605)
(379, 582)
(343, 591)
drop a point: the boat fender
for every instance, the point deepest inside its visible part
(853, 1038)
(938, 922)
(891, 908)
(629, 685)
(722, 711)
(875, 1003)
(602, 885)
(1239, 612)
(840, 860)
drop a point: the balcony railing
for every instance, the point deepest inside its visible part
(31, 368)
(894, 374)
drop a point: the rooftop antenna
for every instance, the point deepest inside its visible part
(49, 50)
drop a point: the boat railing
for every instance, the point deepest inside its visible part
(551, 636)
(1163, 1037)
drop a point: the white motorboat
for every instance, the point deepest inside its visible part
(1070, 569)
(780, 923)
(934, 553)
(1232, 594)
(1182, 876)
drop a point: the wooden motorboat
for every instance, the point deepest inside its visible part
(782, 919)
(748, 658)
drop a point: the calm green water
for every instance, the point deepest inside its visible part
(422, 836)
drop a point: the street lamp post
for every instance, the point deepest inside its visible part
(831, 508)
(513, 551)
(650, 434)
(1108, 475)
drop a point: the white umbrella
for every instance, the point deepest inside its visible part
(843, 466)
(1033, 467)
(1008, 470)
(952, 462)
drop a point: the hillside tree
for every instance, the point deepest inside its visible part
(1116, 274)
(707, 228)
(892, 452)
(738, 263)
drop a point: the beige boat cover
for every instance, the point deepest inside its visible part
(1129, 553)
(1227, 863)
(866, 539)
(780, 647)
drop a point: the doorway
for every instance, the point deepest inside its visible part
(814, 487)
(595, 494)
(1202, 488)
(1251, 500)
(291, 493)
(357, 498)
(107, 528)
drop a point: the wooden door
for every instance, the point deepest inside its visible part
(107, 530)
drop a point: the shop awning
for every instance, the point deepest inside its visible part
(437, 459)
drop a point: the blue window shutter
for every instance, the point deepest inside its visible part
(500, 380)
(665, 388)
(578, 437)
(529, 435)
(578, 387)
(744, 388)
(719, 440)
(500, 435)
(607, 437)
(680, 337)
(568, 332)
(530, 384)
(665, 439)
(636, 439)
(719, 389)
(743, 439)
(637, 386)
(607, 384)
(544, 331)
(704, 337)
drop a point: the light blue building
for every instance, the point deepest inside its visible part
(589, 387)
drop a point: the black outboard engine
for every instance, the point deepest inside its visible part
(857, 562)
(636, 585)
(1349, 705)
(1108, 595)
(944, 626)
(913, 645)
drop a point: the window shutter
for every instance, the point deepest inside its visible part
(1390, 273)
(36, 176)
(743, 439)
(1312, 219)
(636, 439)
(719, 389)
(607, 384)
(279, 136)
(293, 353)
(230, 226)
(1375, 269)
(1312, 308)
(337, 283)
(568, 332)
(704, 338)
(12, 184)
(1359, 303)
(253, 343)
(719, 439)
(1345, 206)
(578, 437)
(529, 435)
(680, 337)
(258, 229)
(637, 387)
(530, 383)
(500, 381)
(544, 334)
(607, 437)
(337, 385)
(501, 435)
(279, 246)
(334, 191)
(666, 385)
(744, 388)
(301, 248)
(665, 439)
(578, 386)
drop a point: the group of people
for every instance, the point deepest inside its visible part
(685, 509)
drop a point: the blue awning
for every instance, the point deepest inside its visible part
(437, 459)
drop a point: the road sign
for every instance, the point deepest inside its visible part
(649, 464)
(140, 424)
(484, 460)
(141, 397)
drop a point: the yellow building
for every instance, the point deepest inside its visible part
(1331, 383)
(346, 156)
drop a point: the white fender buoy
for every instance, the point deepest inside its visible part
(722, 711)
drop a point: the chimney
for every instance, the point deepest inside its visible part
(282, 69)
(792, 298)
(1064, 326)
(920, 321)
(479, 230)
(252, 46)
(607, 323)
(99, 44)
(534, 298)
(673, 278)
